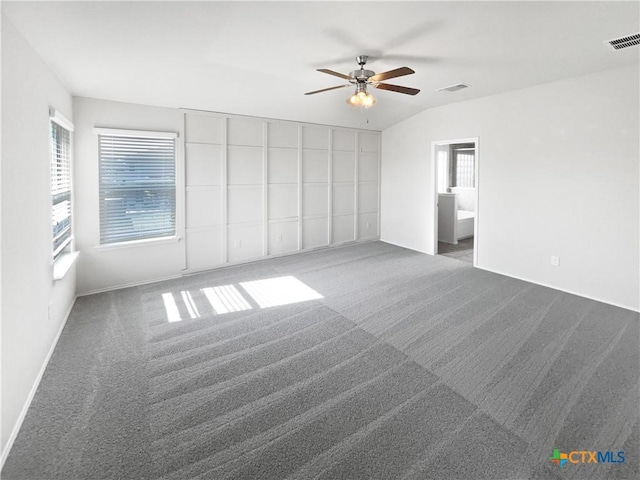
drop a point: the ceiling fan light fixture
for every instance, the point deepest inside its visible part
(361, 98)
(368, 100)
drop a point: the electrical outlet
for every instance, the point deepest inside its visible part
(555, 261)
(279, 238)
(367, 225)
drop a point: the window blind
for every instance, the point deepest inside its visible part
(137, 187)
(60, 187)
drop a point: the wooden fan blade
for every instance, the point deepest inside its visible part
(398, 88)
(398, 72)
(326, 89)
(331, 72)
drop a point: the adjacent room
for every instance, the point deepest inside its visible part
(320, 240)
(456, 204)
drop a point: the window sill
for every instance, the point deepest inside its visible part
(136, 243)
(63, 264)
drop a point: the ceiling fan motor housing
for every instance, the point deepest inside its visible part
(361, 75)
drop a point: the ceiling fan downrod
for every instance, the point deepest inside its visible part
(362, 75)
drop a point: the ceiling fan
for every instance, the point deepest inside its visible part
(361, 78)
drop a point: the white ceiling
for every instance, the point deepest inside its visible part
(258, 58)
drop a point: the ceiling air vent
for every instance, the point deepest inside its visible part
(453, 88)
(624, 42)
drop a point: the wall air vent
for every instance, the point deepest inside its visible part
(453, 88)
(624, 42)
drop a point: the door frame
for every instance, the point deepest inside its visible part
(434, 185)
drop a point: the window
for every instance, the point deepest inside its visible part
(463, 166)
(464, 169)
(137, 185)
(60, 139)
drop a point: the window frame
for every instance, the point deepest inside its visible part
(132, 242)
(67, 247)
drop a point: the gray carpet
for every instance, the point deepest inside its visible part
(409, 367)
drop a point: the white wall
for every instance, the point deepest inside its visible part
(103, 269)
(29, 88)
(558, 175)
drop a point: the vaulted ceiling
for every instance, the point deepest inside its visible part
(258, 58)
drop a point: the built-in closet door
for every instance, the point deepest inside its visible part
(368, 185)
(343, 173)
(283, 195)
(245, 189)
(257, 188)
(205, 190)
(315, 186)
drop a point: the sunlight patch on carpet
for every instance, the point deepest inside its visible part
(267, 293)
(273, 292)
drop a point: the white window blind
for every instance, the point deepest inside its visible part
(137, 187)
(60, 187)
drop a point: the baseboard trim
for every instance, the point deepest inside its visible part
(128, 285)
(601, 300)
(408, 248)
(266, 258)
(480, 267)
(34, 388)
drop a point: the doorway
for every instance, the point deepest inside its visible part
(456, 199)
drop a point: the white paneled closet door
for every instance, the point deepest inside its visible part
(315, 187)
(204, 183)
(257, 187)
(245, 189)
(283, 193)
(343, 176)
(368, 185)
